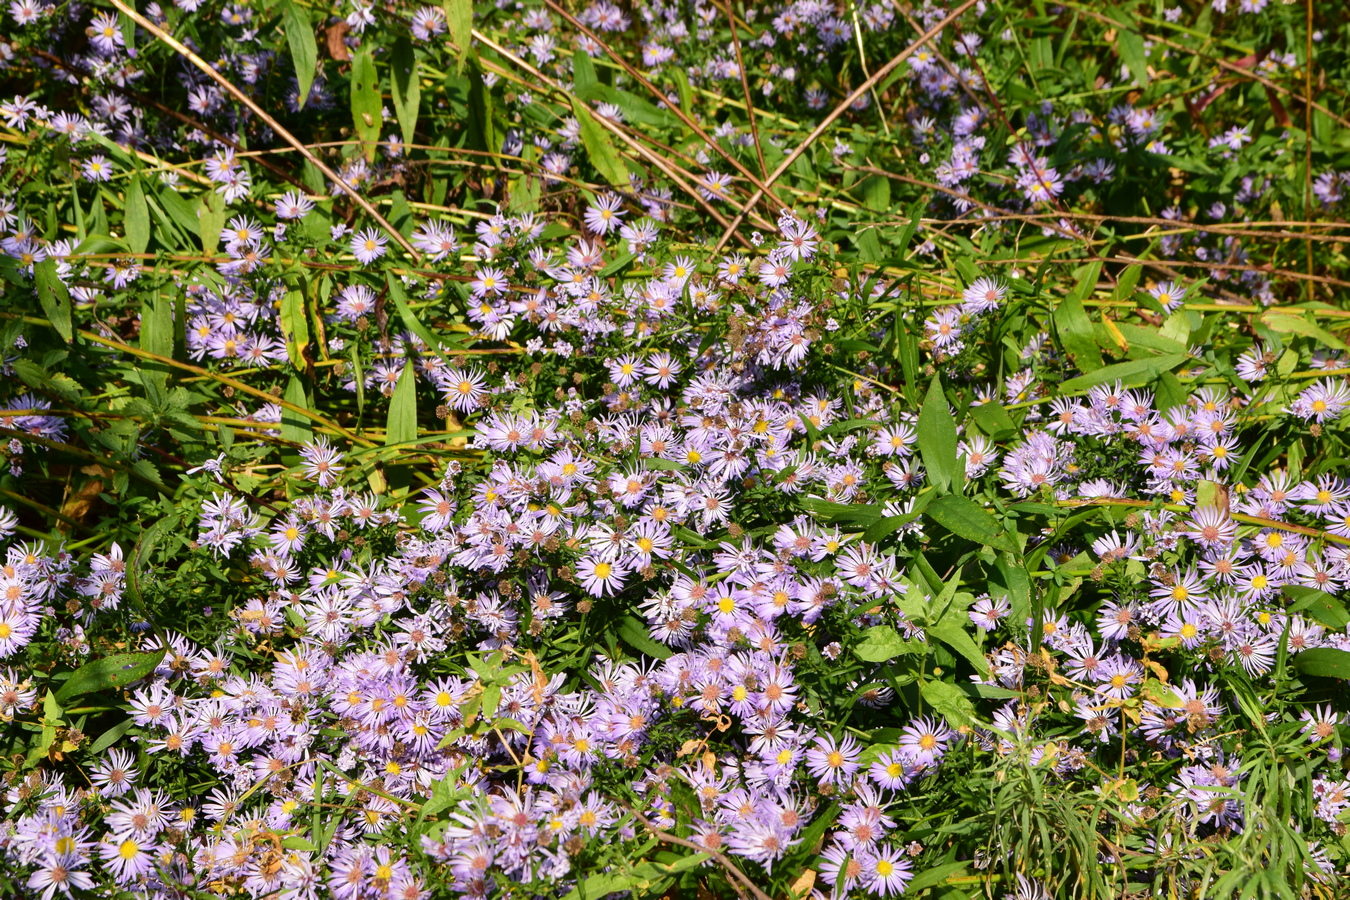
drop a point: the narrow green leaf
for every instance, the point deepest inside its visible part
(405, 88)
(109, 673)
(54, 297)
(304, 49)
(599, 147)
(1131, 373)
(136, 217)
(402, 422)
(110, 737)
(410, 319)
(635, 634)
(937, 438)
(365, 100)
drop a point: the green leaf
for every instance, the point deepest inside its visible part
(882, 642)
(583, 72)
(599, 147)
(950, 701)
(934, 876)
(365, 100)
(295, 427)
(136, 217)
(54, 297)
(1289, 322)
(635, 634)
(405, 88)
(1130, 46)
(993, 420)
(304, 50)
(1320, 606)
(110, 737)
(459, 18)
(1132, 373)
(952, 632)
(966, 518)
(937, 438)
(1324, 662)
(109, 673)
(1074, 326)
(51, 720)
(402, 423)
(294, 327)
(410, 319)
(858, 514)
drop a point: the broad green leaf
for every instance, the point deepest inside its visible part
(952, 632)
(1324, 662)
(599, 147)
(294, 326)
(405, 89)
(1132, 373)
(1130, 46)
(950, 701)
(966, 518)
(136, 217)
(937, 438)
(882, 642)
(1289, 322)
(402, 422)
(459, 18)
(109, 673)
(1075, 328)
(304, 50)
(1320, 606)
(366, 102)
(857, 514)
(51, 721)
(54, 297)
(211, 216)
(583, 72)
(993, 420)
(295, 427)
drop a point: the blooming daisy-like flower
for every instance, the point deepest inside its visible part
(368, 245)
(97, 168)
(293, 205)
(1169, 294)
(924, 741)
(983, 295)
(833, 761)
(322, 462)
(464, 389)
(599, 577)
(488, 281)
(605, 214)
(885, 870)
(1320, 723)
